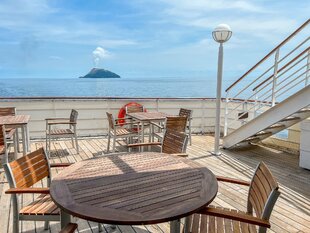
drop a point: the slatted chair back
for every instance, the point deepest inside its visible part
(134, 108)
(8, 111)
(28, 170)
(176, 123)
(174, 142)
(111, 121)
(2, 136)
(185, 112)
(263, 192)
(74, 115)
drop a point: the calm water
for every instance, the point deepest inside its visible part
(123, 87)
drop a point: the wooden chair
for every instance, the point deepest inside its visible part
(187, 113)
(11, 133)
(3, 145)
(118, 131)
(62, 133)
(22, 174)
(173, 143)
(176, 123)
(262, 196)
(136, 125)
(70, 228)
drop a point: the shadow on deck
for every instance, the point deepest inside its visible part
(291, 213)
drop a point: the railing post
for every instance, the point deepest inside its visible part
(244, 109)
(308, 69)
(275, 73)
(226, 115)
(255, 104)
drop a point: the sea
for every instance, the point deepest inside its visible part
(122, 87)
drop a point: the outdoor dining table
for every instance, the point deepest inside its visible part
(18, 121)
(147, 117)
(133, 189)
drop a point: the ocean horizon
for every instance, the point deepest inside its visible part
(116, 87)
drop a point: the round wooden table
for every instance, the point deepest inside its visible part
(133, 189)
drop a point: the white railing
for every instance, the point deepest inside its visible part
(280, 74)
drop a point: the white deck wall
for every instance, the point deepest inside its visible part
(92, 119)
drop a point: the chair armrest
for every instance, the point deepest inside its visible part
(62, 123)
(60, 164)
(125, 118)
(27, 190)
(157, 125)
(234, 181)
(125, 123)
(145, 144)
(54, 119)
(238, 216)
(184, 155)
(69, 228)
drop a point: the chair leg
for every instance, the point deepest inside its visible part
(114, 141)
(190, 132)
(76, 144)
(72, 141)
(49, 145)
(100, 228)
(108, 147)
(46, 225)
(15, 145)
(15, 215)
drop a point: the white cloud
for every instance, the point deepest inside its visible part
(57, 58)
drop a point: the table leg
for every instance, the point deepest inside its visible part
(142, 134)
(65, 218)
(24, 140)
(175, 226)
(142, 129)
(17, 138)
(27, 138)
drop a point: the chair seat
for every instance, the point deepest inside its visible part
(60, 132)
(207, 223)
(159, 135)
(43, 205)
(124, 132)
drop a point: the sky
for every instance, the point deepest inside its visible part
(139, 38)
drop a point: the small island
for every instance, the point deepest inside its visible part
(100, 73)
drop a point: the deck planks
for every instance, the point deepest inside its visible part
(291, 213)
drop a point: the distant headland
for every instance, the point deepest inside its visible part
(100, 73)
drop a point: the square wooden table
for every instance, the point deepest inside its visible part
(133, 189)
(18, 121)
(147, 117)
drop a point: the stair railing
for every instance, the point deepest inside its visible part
(281, 73)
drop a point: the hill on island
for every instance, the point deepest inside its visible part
(100, 73)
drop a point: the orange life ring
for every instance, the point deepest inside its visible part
(122, 112)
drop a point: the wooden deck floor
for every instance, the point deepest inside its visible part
(291, 213)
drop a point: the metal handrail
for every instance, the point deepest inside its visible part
(269, 54)
(266, 90)
(279, 70)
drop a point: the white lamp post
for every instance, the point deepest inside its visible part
(221, 34)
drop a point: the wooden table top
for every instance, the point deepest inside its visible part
(14, 120)
(134, 188)
(149, 116)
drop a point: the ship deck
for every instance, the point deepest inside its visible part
(291, 212)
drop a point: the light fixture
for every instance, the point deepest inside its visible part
(222, 33)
